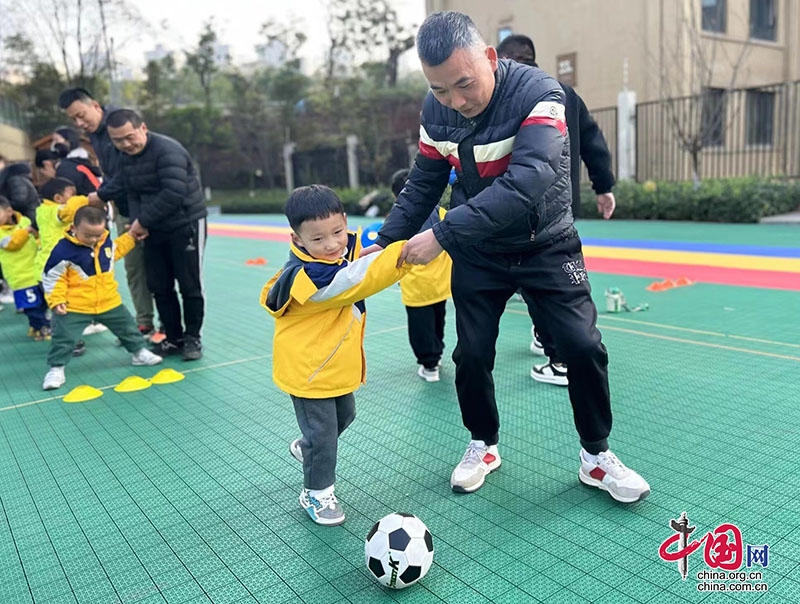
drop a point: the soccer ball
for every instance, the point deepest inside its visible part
(399, 550)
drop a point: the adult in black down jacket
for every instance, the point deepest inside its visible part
(502, 126)
(168, 209)
(87, 114)
(16, 185)
(586, 140)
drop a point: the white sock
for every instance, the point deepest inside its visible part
(480, 444)
(321, 493)
(589, 457)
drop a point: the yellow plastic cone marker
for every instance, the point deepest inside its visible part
(167, 376)
(132, 384)
(81, 394)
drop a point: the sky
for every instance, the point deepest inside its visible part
(238, 22)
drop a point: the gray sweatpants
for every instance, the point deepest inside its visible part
(321, 421)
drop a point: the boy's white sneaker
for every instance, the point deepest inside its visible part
(478, 461)
(536, 345)
(324, 510)
(145, 357)
(429, 375)
(93, 328)
(54, 379)
(608, 473)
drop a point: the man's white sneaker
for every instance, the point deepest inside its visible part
(536, 345)
(54, 379)
(295, 450)
(478, 461)
(93, 328)
(550, 373)
(609, 474)
(145, 357)
(429, 375)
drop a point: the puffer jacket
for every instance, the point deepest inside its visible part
(79, 170)
(82, 277)
(108, 156)
(428, 284)
(16, 185)
(320, 316)
(513, 165)
(162, 186)
(17, 252)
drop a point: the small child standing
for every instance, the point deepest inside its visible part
(425, 291)
(80, 288)
(54, 215)
(17, 255)
(317, 300)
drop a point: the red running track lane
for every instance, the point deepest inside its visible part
(656, 270)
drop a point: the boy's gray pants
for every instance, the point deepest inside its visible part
(321, 421)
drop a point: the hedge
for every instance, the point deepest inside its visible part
(726, 200)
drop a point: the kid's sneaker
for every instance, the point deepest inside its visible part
(429, 375)
(536, 345)
(550, 373)
(295, 450)
(325, 510)
(93, 328)
(145, 357)
(609, 474)
(478, 461)
(54, 378)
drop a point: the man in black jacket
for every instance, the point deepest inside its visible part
(166, 203)
(510, 226)
(87, 114)
(587, 143)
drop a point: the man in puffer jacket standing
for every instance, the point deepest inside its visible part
(510, 226)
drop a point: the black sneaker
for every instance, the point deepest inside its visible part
(80, 348)
(165, 348)
(192, 348)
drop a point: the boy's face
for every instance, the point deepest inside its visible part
(324, 238)
(64, 196)
(6, 214)
(89, 234)
(48, 169)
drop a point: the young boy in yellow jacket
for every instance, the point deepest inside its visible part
(425, 291)
(17, 254)
(54, 215)
(80, 288)
(317, 300)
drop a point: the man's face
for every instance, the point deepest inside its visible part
(465, 81)
(128, 139)
(86, 116)
(89, 234)
(325, 238)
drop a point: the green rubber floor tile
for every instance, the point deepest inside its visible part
(182, 593)
(232, 592)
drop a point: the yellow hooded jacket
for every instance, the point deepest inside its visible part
(52, 218)
(17, 252)
(82, 277)
(320, 318)
(428, 284)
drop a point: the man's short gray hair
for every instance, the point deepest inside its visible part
(444, 32)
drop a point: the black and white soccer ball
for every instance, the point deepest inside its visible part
(399, 550)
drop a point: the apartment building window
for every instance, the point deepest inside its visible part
(713, 117)
(714, 15)
(764, 19)
(760, 117)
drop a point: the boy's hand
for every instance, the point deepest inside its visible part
(420, 249)
(370, 250)
(60, 309)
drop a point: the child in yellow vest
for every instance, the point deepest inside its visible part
(55, 214)
(425, 291)
(18, 248)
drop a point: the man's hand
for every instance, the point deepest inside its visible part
(370, 250)
(606, 204)
(94, 200)
(137, 231)
(420, 249)
(60, 309)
